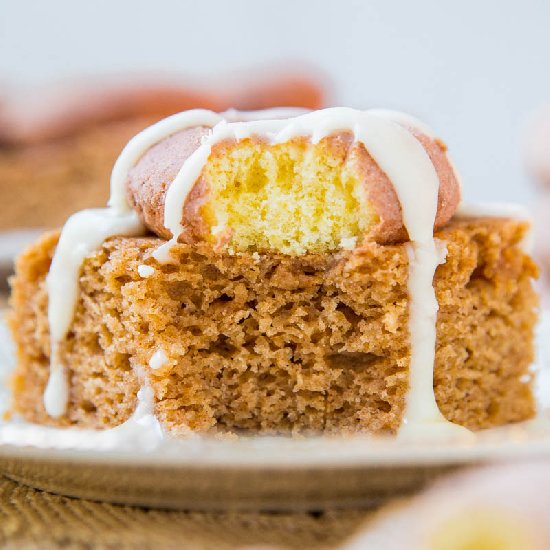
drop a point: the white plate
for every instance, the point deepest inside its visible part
(252, 473)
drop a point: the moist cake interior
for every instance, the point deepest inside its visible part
(292, 197)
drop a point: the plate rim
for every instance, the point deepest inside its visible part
(353, 452)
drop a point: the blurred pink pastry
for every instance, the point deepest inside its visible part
(537, 160)
(497, 508)
(537, 146)
(61, 142)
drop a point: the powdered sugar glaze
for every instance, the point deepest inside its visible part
(389, 140)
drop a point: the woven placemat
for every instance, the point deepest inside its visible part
(34, 519)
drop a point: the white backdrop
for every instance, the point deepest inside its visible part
(472, 69)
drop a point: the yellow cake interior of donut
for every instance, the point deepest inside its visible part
(293, 197)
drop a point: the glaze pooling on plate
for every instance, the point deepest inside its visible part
(387, 136)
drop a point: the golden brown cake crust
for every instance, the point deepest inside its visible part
(276, 343)
(149, 181)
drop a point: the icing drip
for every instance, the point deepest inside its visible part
(417, 186)
(143, 141)
(83, 233)
(423, 307)
(404, 119)
(145, 271)
(152, 135)
(158, 359)
(389, 140)
(56, 394)
(143, 422)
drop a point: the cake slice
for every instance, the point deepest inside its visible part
(303, 275)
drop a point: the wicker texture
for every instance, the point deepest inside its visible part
(34, 519)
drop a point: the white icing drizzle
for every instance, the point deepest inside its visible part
(145, 270)
(389, 140)
(162, 253)
(143, 423)
(143, 141)
(83, 233)
(424, 257)
(404, 119)
(166, 127)
(158, 359)
(56, 394)
(406, 163)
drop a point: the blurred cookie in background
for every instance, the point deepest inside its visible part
(537, 161)
(537, 146)
(58, 145)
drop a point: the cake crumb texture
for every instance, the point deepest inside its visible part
(274, 343)
(292, 197)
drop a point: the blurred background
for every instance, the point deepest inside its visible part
(473, 70)
(78, 79)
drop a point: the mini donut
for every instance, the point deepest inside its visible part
(150, 179)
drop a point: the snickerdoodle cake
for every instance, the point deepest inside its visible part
(273, 273)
